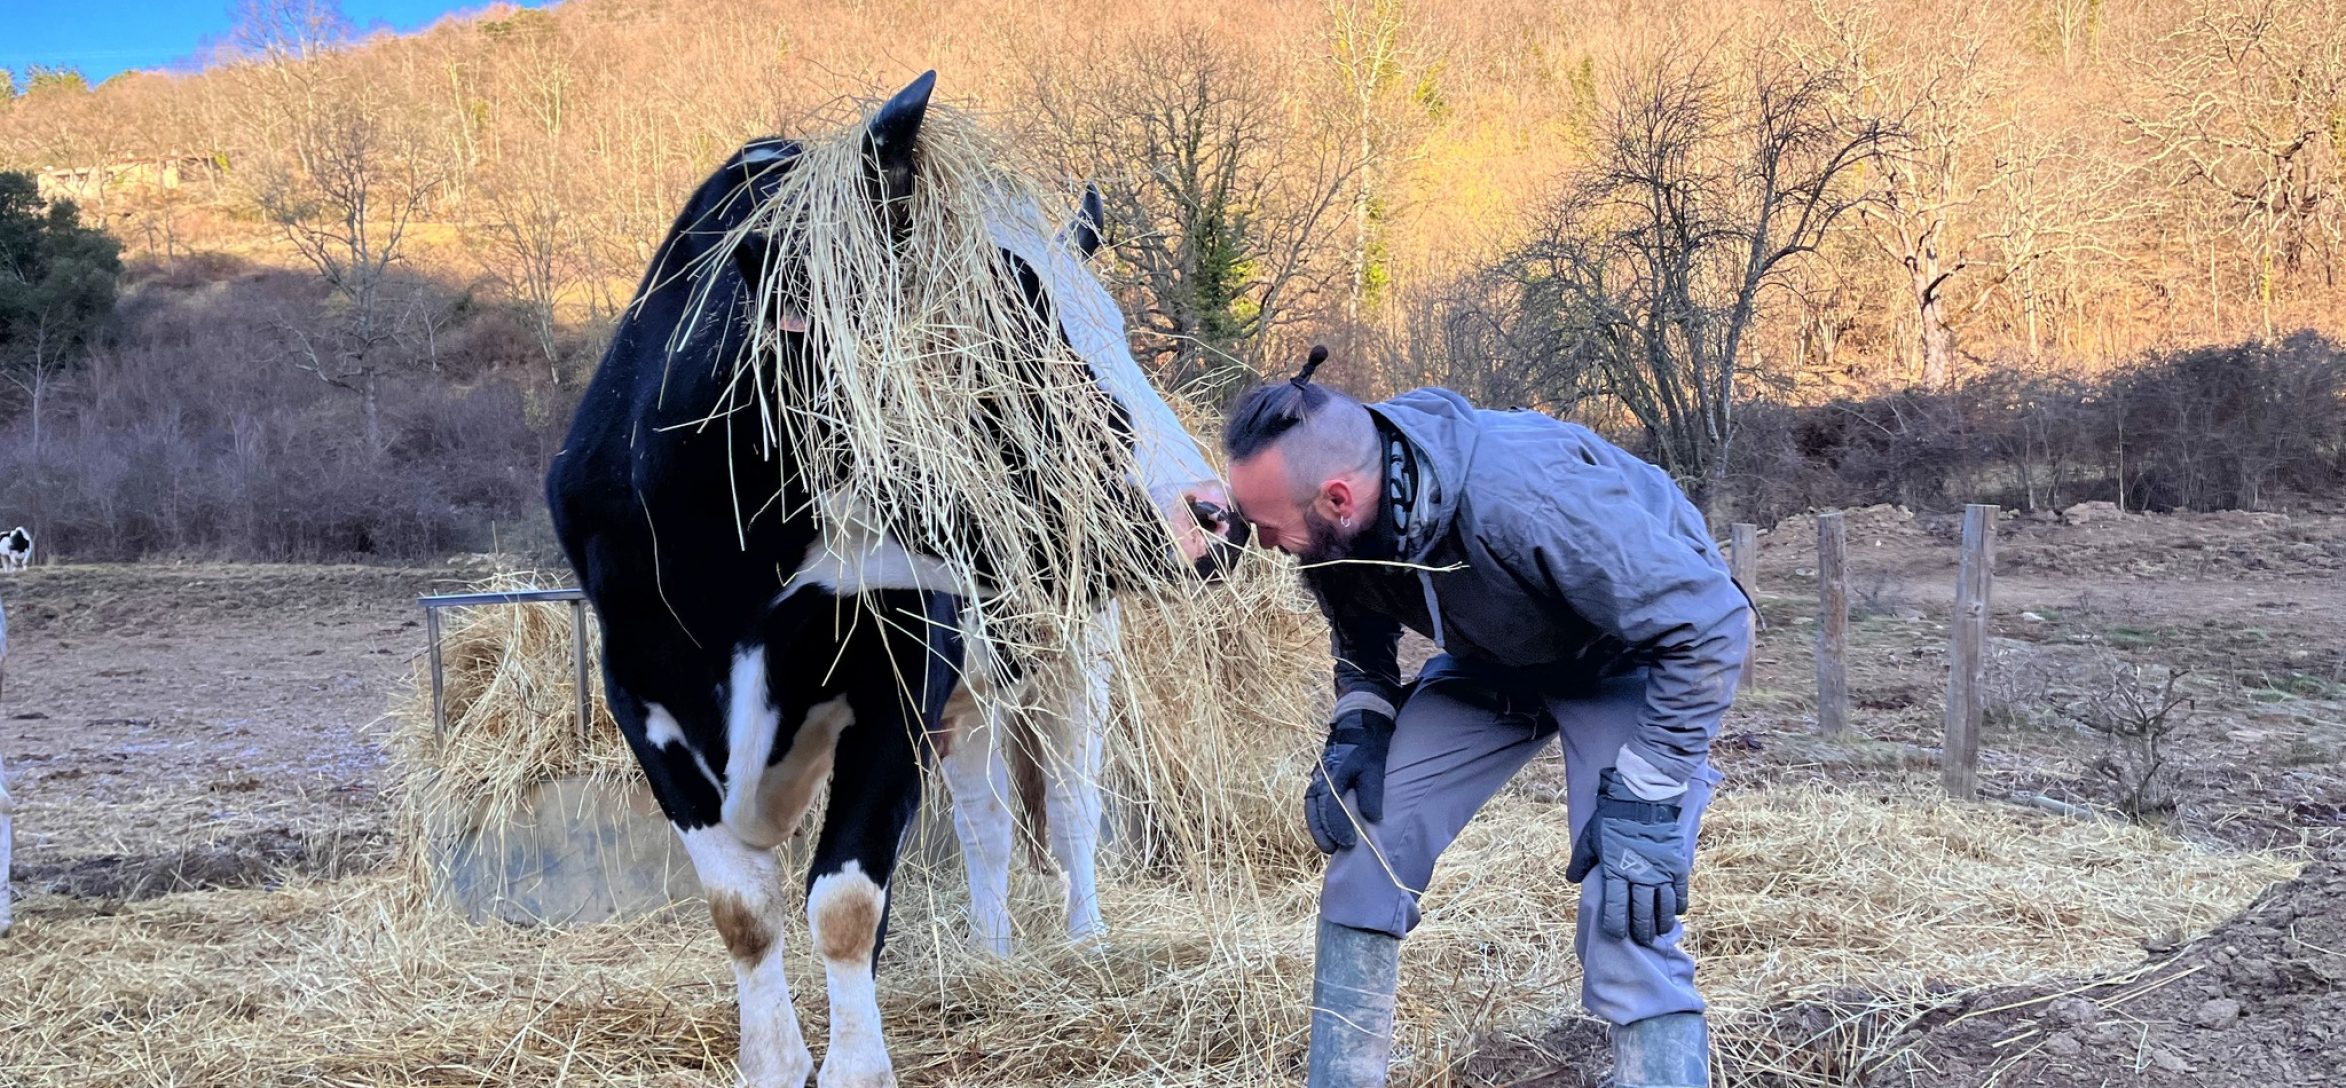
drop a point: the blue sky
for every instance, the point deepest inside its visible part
(102, 37)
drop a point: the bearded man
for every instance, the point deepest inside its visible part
(1574, 593)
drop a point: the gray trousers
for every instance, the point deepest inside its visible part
(1455, 742)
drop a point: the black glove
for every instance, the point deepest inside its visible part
(1645, 862)
(1353, 763)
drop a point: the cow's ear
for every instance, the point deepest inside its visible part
(750, 180)
(890, 145)
(1091, 219)
(754, 258)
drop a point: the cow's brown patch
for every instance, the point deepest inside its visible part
(961, 712)
(847, 919)
(787, 789)
(745, 931)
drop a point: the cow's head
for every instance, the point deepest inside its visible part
(1169, 478)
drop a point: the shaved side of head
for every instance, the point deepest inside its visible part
(1321, 433)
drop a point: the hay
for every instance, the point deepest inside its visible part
(510, 699)
(1802, 892)
(1209, 891)
(930, 405)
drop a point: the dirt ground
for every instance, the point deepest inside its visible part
(167, 727)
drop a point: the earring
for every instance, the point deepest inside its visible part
(1348, 521)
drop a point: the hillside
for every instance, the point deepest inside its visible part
(1987, 208)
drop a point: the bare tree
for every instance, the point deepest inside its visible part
(1643, 279)
(2244, 104)
(2137, 709)
(1215, 208)
(343, 178)
(1937, 87)
(1383, 63)
(528, 197)
(2057, 225)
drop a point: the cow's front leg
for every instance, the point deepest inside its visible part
(744, 885)
(875, 791)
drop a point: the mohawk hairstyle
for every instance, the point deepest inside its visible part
(1265, 414)
(1334, 434)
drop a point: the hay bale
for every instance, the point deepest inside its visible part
(510, 695)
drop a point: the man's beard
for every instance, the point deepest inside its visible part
(1328, 542)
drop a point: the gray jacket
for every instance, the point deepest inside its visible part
(1573, 561)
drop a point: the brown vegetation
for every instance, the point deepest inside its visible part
(1692, 227)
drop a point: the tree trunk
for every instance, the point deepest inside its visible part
(1934, 340)
(40, 387)
(1938, 347)
(370, 403)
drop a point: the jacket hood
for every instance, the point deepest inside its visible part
(1442, 427)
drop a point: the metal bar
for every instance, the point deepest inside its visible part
(432, 632)
(511, 596)
(578, 653)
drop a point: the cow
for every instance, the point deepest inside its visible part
(16, 549)
(751, 652)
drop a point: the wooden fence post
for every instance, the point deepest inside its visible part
(1832, 624)
(1967, 651)
(1743, 563)
(1743, 555)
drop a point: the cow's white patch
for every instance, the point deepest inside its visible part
(661, 730)
(750, 722)
(843, 912)
(855, 555)
(1167, 459)
(980, 782)
(773, 1050)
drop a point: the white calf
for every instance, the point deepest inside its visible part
(16, 549)
(1050, 721)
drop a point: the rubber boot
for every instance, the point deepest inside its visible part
(1353, 975)
(1672, 1050)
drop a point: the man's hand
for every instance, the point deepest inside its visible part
(1353, 763)
(1645, 863)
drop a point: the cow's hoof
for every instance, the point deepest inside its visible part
(998, 945)
(1086, 928)
(789, 1069)
(854, 1066)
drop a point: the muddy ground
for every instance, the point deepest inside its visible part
(167, 727)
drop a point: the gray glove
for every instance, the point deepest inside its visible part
(1637, 844)
(1353, 763)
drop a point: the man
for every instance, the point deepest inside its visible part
(1574, 592)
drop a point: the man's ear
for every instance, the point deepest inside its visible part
(1341, 501)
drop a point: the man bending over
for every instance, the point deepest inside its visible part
(1574, 592)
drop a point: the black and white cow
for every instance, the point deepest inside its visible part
(742, 659)
(16, 549)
